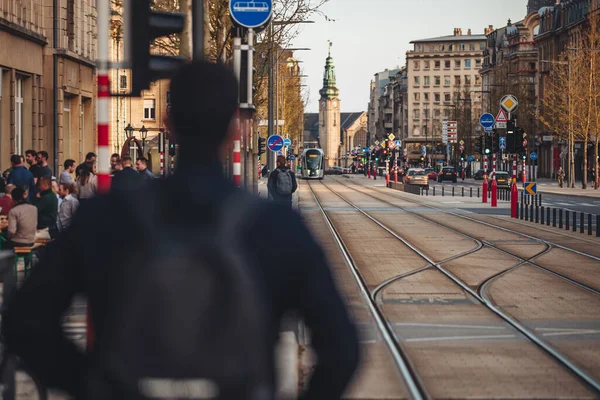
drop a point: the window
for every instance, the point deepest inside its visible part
(436, 97)
(436, 64)
(19, 116)
(446, 114)
(436, 113)
(426, 64)
(456, 80)
(123, 82)
(437, 80)
(482, 46)
(472, 46)
(150, 109)
(478, 63)
(427, 81)
(451, 47)
(446, 80)
(456, 63)
(416, 64)
(417, 80)
(447, 64)
(71, 24)
(477, 80)
(467, 80)
(447, 97)
(416, 114)
(426, 114)
(467, 63)
(426, 96)
(67, 128)
(417, 96)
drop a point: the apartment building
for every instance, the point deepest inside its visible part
(380, 112)
(443, 82)
(47, 78)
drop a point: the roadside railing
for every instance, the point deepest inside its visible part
(559, 218)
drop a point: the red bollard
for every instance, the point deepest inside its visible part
(485, 190)
(396, 176)
(494, 193)
(514, 197)
(387, 178)
(375, 173)
(368, 173)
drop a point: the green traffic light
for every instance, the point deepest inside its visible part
(487, 151)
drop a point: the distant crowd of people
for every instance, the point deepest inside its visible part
(38, 204)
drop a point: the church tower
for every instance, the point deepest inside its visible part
(329, 115)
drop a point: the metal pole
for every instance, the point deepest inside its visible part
(271, 112)
(198, 29)
(237, 69)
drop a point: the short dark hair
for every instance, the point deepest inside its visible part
(144, 160)
(15, 159)
(18, 194)
(69, 163)
(90, 155)
(203, 100)
(126, 159)
(45, 179)
(114, 155)
(43, 154)
(31, 153)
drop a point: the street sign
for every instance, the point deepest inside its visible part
(501, 125)
(398, 143)
(530, 188)
(377, 142)
(462, 148)
(280, 153)
(292, 157)
(275, 143)
(391, 144)
(452, 132)
(488, 130)
(391, 136)
(509, 103)
(371, 147)
(501, 117)
(486, 120)
(462, 142)
(470, 158)
(423, 150)
(251, 14)
(287, 142)
(533, 156)
(444, 132)
(502, 141)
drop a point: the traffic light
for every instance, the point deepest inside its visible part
(487, 145)
(511, 137)
(142, 26)
(262, 145)
(478, 145)
(172, 150)
(496, 143)
(519, 140)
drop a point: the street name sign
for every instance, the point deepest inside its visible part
(530, 188)
(509, 103)
(452, 132)
(275, 143)
(445, 132)
(287, 142)
(486, 120)
(249, 13)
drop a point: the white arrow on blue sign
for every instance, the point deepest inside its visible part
(250, 13)
(533, 156)
(502, 140)
(487, 120)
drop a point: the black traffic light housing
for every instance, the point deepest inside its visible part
(172, 150)
(487, 145)
(519, 149)
(511, 137)
(495, 143)
(142, 26)
(262, 146)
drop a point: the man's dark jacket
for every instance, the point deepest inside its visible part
(272, 184)
(21, 177)
(86, 261)
(47, 205)
(126, 180)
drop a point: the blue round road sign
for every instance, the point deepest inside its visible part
(275, 143)
(487, 120)
(470, 158)
(292, 157)
(251, 13)
(533, 156)
(287, 142)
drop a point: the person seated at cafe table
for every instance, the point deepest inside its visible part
(22, 221)
(6, 202)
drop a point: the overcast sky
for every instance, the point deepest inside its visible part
(371, 35)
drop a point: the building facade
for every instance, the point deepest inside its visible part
(443, 83)
(380, 110)
(47, 78)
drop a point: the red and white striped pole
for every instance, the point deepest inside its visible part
(162, 164)
(494, 166)
(161, 148)
(237, 156)
(514, 175)
(485, 165)
(102, 118)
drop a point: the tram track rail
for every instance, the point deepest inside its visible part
(477, 293)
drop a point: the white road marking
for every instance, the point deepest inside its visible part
(448, 326)
(565, 204)
(452, 202)
(435, 339)
(368, 341)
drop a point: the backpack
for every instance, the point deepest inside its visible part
(284, 182)
(187, 321)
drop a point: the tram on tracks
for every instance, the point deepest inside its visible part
(312, 164)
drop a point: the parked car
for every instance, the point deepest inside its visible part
(431, 173)
(478, 176)
(416, 176)
(334, 171)
(503, 180)
(447, 174)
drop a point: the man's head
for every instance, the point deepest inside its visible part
(16, 160)
(203, 101)
(281, 161)
(42, 157)
(44, 183)
(114, 159)
(127, 162)
(90, 157)
(141, 164)
(9, 188)
(69, 166)
(31, 157)
(19, 194)
(65, 189)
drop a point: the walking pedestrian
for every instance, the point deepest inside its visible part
(282, 183)
(561, 176)
(196, 299)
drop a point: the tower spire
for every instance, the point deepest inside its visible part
(329, 82)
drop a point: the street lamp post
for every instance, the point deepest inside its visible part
(128, 131)
(144, 133)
